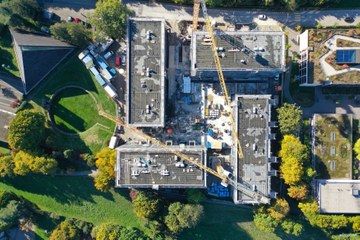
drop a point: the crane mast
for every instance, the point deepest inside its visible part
(218, 67)
(238, 186)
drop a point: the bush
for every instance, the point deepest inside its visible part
(280, 210)
(69, 154)
(292, 228)
(89, 159)
(265, 222)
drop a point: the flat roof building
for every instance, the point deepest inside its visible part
(339, 196)
(151, 166)
(243, 55)
(146, 72)
(332, 145)
(253, 120)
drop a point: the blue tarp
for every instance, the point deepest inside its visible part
(102, 63)
(210, 132)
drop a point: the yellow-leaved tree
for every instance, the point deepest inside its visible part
(105, 163)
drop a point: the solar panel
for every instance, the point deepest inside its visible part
(346, 56)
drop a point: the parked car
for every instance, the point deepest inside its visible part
(349, 19)
(108, 55)
(118, 61)
(70, 19)
(262, 17)
(277, 77)
(123, 59)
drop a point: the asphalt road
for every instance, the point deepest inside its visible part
(303, 18)
(72, 4)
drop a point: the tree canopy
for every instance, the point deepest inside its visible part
(108, 231)
(290, 119)
(357, 149)
(6, 166)
(280, 210)
(65, 231)
(265, 222)
(291, 170)
(291, 227)
(297, 192)
(74, 33)
(292, 147)
(25, 163)
(109, 18)
(27, 130)
(105, 163)
(146, 205)
(183, 216)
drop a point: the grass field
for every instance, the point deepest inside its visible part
(72, 72)
(7, 54)
(234, 223)
(4, 148)
(73, 110)
(74, 197)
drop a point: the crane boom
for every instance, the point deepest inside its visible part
(238, 186)
(219, 70)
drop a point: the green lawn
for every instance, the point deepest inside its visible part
(7, 54)
(4, 148)
(73, 110)
(74, 197)
(234, 223)
(79, 108)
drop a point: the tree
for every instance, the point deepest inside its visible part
(292, 228)
(310, 210)
(265, 222)
(291, 170)
(298, 192)
(146, 205)
(27, 130)
(355, 223)
(29, 9)
(65, 231)
(106, 231)
(290, 119)
(109, 18)
(25, 163)
(280, 209)
(105, 162)
(9, 215)
(292, 147)
(357, 149)
(183, 216)
(74, 33)
(6, 166)
(109, 231)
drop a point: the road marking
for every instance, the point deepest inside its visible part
(10, 113)
(297, 17)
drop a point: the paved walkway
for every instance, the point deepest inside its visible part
(331, 44)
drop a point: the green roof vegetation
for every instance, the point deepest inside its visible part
(333, 145)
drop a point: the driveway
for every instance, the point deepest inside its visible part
(292, 19)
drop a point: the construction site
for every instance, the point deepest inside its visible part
(198, 113)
